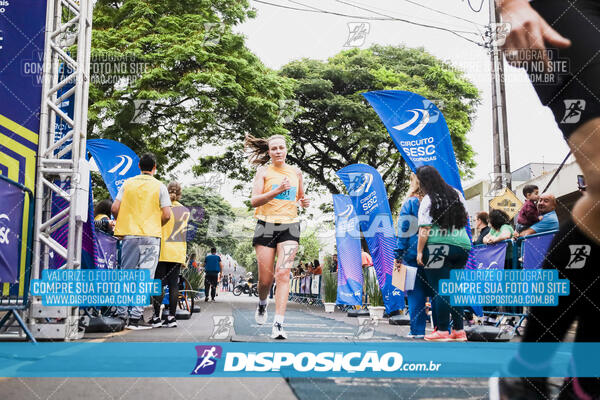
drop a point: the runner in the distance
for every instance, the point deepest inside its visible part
(276, 192)
(559, 31)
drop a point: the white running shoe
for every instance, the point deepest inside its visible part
(260, 316)
(278, 332)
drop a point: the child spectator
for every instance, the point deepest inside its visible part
(102, 217)
(529, 214)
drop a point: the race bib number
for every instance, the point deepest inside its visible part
(289, 194)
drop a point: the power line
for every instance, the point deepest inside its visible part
(454, 32)
(472, 8)
(392, 17)
(444, 13)
(321, 11)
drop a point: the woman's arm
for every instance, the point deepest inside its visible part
(504, 234)
(258, 197)
(423, 236)
(300, 195)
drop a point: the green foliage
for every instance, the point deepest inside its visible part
(180, 66)
(99, 190)
(195, 277)
(183, 56)
(328, 263)
(212, 229)
(244, 254)
(330, 286)
(309, 247)
(374, 296)
(308, 251)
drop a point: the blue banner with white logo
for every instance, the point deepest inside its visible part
(535, 248)
(419, 131)
(490, 256)
(115, 161)
(347, 238)
(369, 197)
(297, 359)
(22, 34)
(12, 209)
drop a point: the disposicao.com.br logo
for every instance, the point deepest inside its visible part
(351, 362)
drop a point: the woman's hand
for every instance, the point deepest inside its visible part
(304, 202)
(285, 185)
(397, 264)
(420, 258)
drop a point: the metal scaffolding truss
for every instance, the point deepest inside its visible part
(62, 158)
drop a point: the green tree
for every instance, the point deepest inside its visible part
(309, 247)
(244, 254)
(335, 126)
(210, 215)
(170, 74)
(308, 251)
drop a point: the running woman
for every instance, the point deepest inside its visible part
(569, 31)
(276, 192)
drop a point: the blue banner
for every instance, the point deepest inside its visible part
(107, 251)
(347, 238)
(115, 161)
(419, 131)
(315, 360)
(490, 256)
(534, 250)
(12, 209)
(369, 198)
(22, 34)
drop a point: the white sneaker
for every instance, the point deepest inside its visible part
(278, 332)
(411, 336)
(260, 316)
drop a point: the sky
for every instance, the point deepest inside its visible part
(278, 36)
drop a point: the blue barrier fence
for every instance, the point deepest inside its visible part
(16, 298)
(306, 289)
(526, 252)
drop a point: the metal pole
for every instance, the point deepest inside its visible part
(52, 162)
(499, 115)
(507, 168)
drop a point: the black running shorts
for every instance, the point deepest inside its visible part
(571, 88)
(269, 234)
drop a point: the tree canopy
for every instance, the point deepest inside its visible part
(167, 75)
(334, 125)
(210, 214)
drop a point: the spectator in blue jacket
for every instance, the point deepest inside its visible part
(406, 253)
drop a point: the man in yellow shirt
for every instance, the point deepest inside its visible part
(141, 207)
(173, 249)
